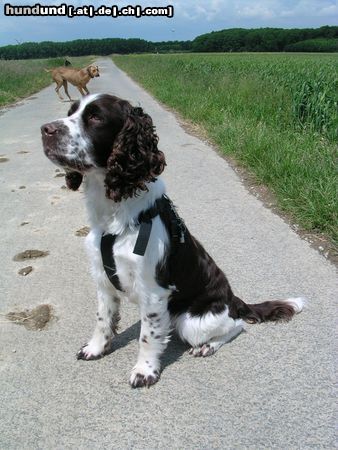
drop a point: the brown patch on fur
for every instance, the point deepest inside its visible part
(270, 311)
(135, 158)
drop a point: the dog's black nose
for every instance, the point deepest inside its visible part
(49, 129)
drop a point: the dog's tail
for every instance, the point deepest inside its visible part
(47, 70)
(276, 311)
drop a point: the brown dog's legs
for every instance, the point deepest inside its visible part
(65, 87)
(59, 82)
(85, 88)
(81, 90)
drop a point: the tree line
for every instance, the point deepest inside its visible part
(265, 39)
(324, 39)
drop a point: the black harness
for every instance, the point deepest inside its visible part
(162, 206)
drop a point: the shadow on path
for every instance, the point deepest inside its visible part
(173, 352)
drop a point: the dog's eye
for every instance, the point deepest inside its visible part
(94, 118)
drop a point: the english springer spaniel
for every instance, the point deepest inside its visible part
(138, 246)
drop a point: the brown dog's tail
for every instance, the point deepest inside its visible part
(277, 311)
(47, 70)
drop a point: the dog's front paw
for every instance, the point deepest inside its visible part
(92, 350)
(143, 376)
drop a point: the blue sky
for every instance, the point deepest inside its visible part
(191, 18)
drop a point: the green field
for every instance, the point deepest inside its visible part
(276, 114)
(21, 78)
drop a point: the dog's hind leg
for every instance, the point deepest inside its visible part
(59, 83)
(65, 87)
(211, 347)
(207, 333)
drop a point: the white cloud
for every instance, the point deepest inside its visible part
(248, 9)
(197, 9)
(255, 11)
(330, 10)
(311, 8)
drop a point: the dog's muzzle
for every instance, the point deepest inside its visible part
(52, 135)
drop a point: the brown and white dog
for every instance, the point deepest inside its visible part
(77, 77)
(112, 146)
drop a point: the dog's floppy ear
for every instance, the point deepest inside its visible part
(135, 158)
(73, 108)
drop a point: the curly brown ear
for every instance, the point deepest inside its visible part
(135, 158)
(73, 180)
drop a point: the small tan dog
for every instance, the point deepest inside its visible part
(77, 77)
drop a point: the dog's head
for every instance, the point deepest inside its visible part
(93, 71)
(105, 132)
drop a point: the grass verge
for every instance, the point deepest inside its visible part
(252, 107)
(20, 78)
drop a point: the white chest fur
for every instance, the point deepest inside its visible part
(137, 274)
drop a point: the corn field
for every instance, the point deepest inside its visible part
(310, 80)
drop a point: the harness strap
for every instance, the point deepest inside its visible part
(177, 234)
(143, 238)
(178, 228)
(107, 243)
(146, 223)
